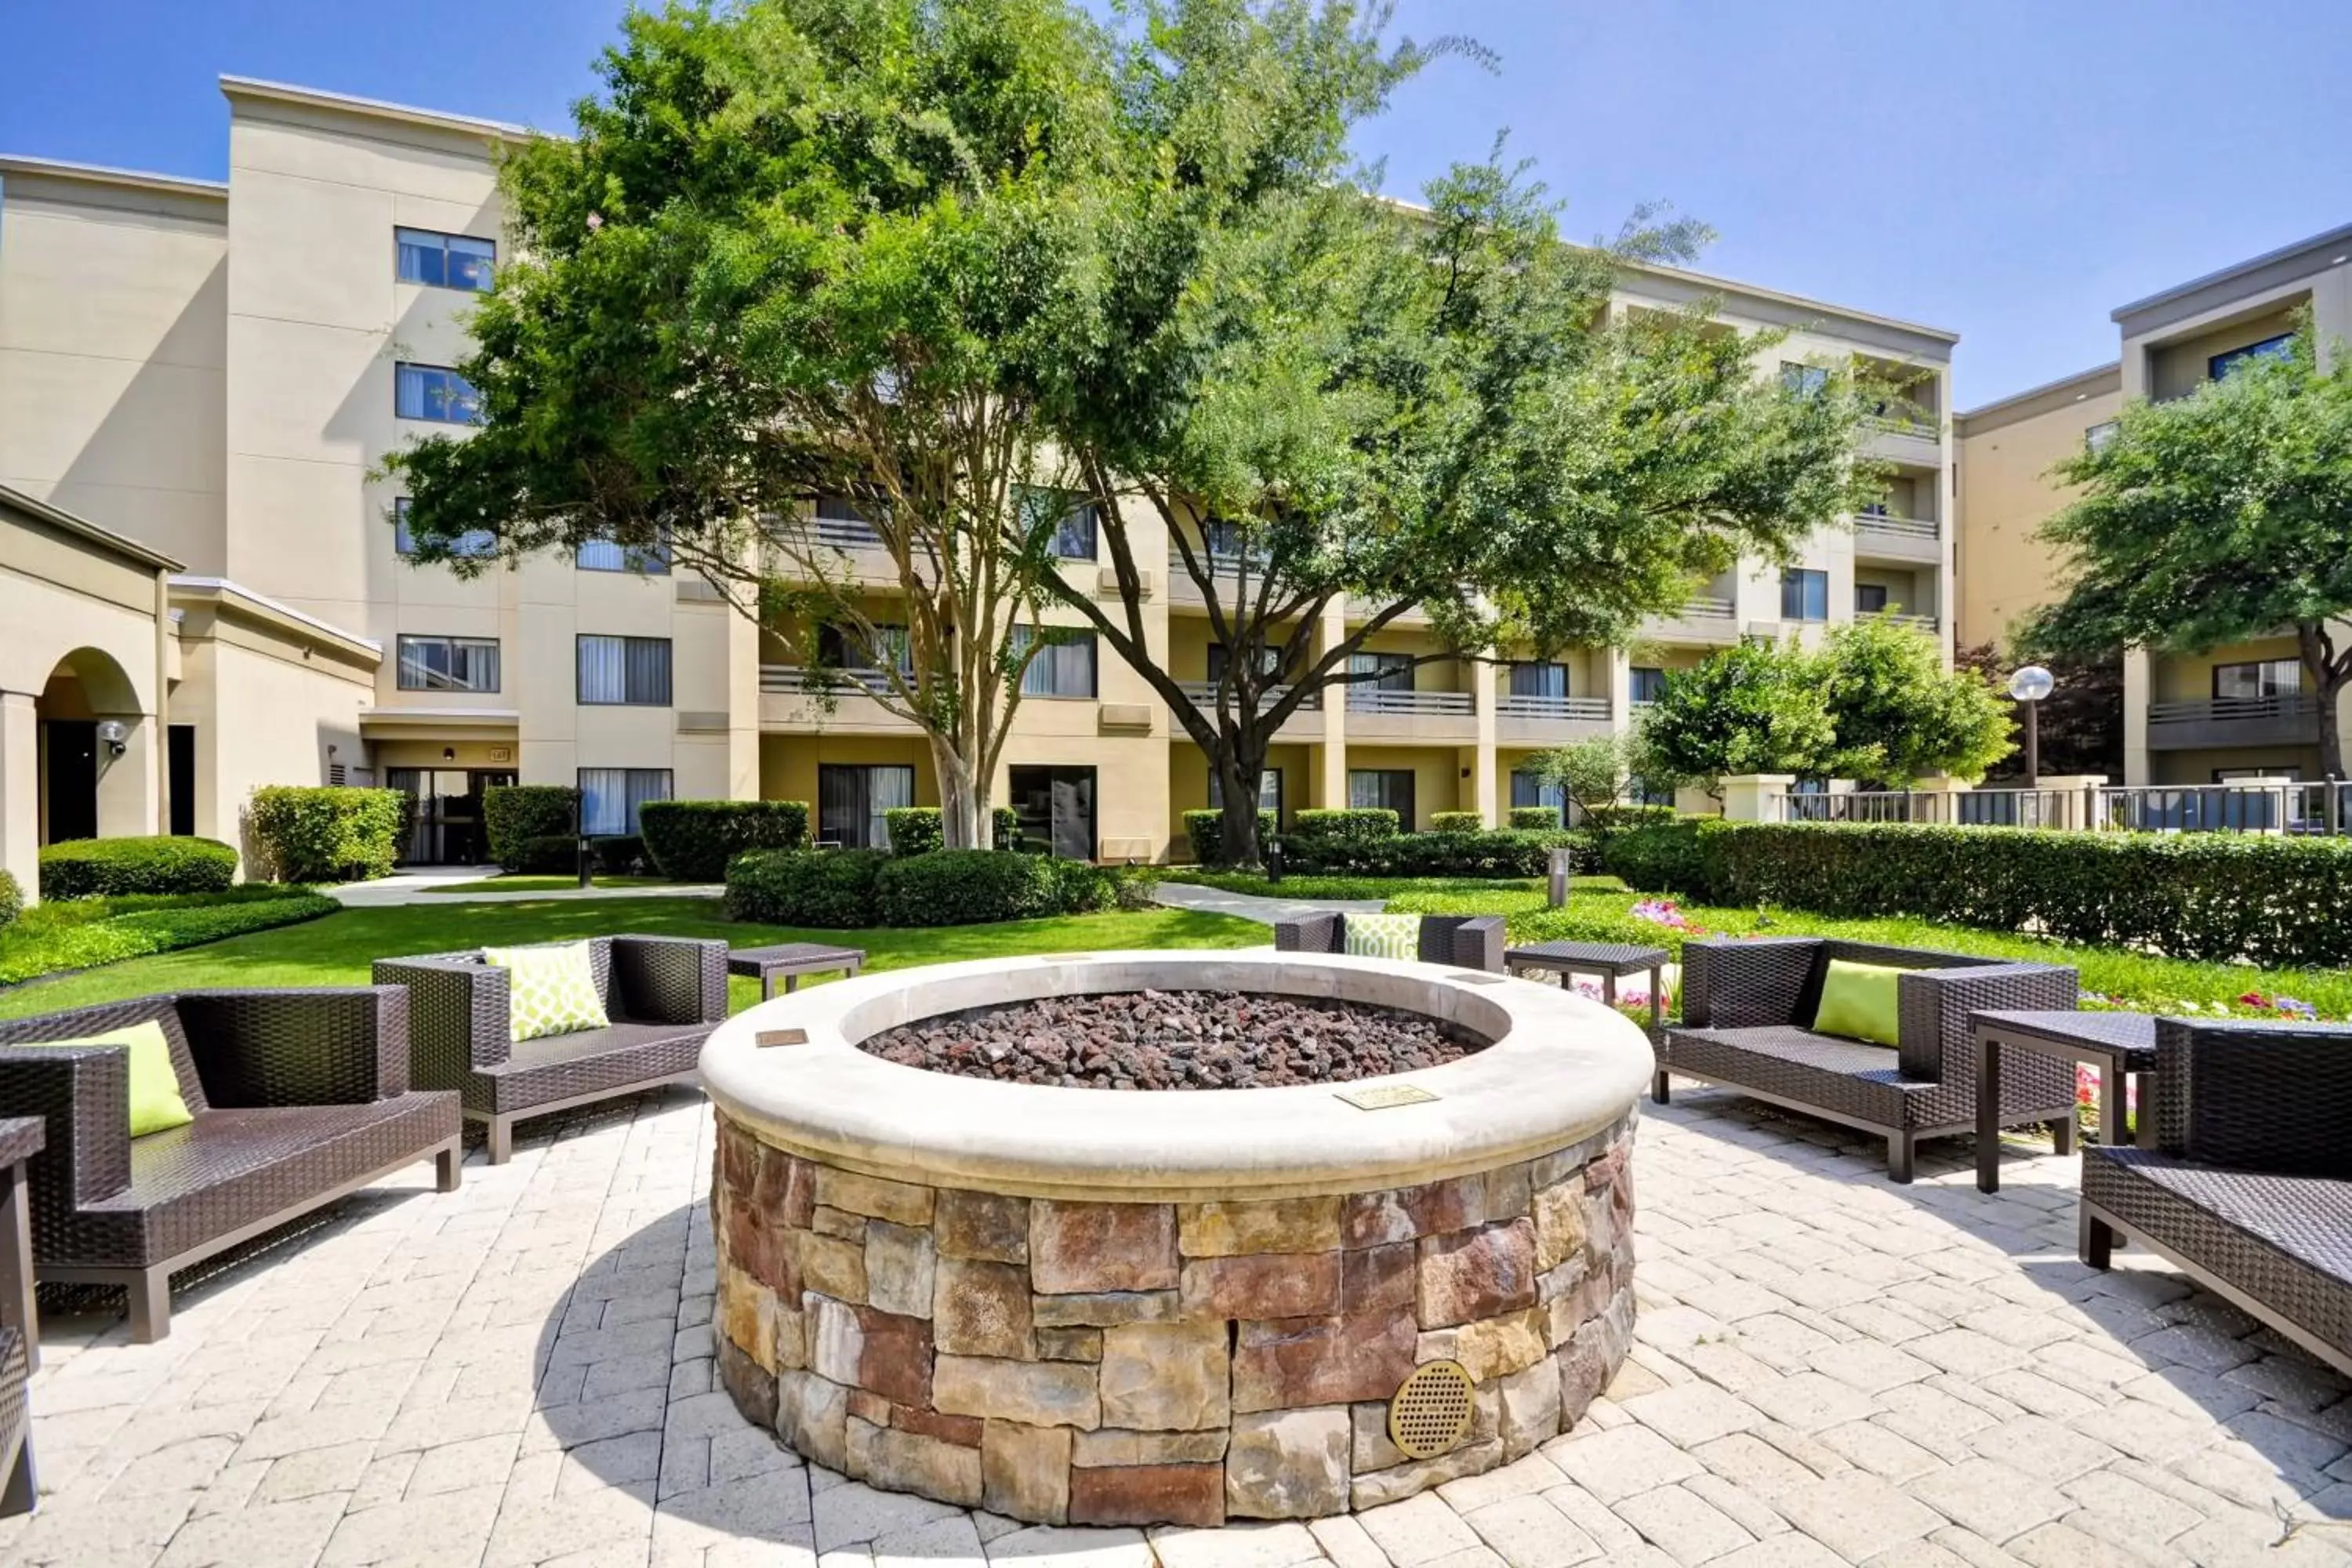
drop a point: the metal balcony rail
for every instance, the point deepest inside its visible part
(1907, 526)
(2053, 808)
(844, 534)
(1707, 607)
(2206, 710)
(1924, 623)
(1222, 563)
(1860, 806)
(797, 680)
(1205, 693)
(1515, 706)
(2292, 807)
(1896, 425)
(1380, 699)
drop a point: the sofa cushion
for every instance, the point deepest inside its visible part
(550, 990)
(1858, 1003)
(1380, 935)
(156, 1105)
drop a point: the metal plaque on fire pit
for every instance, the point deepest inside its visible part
(1386, 1096)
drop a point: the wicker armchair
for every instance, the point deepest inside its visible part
(299, 1097)
(1467, 942)
(2248, 1189)
(1748, 1007)
(664, 995)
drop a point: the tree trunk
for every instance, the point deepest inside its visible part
(2331, 735)
(963, 805)
(1238, 762)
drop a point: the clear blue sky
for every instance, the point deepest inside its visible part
(2010, 169)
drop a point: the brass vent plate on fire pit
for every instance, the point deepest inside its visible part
(1430, 1410)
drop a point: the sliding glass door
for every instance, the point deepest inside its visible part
(851, 801)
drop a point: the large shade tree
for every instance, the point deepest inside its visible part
(1303, 398)
(1899, 712)
(803, 249)
(2218, 518)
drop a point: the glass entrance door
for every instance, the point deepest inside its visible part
(445, 826)
(1056, 810)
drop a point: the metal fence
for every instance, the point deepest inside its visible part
(2292, 807)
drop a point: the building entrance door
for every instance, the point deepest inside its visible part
(1057, 811)
(444, 824)
(71, 749)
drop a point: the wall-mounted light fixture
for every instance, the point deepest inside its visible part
(116, 735)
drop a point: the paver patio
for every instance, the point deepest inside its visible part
(1830, 1369)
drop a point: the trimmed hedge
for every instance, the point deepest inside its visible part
(692, 840)
(12, 900)
(830, 887)
(1456, 822)
(514, 814)
(966, 887)
(83, 933)
(1322, 830)
(2275, 902)
(1535, 818)
(313, 833)
(920, 829)
(98, 868)
(549, 855)
(1205, 832)
(1505, 853)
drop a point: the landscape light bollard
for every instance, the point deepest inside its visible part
(1274, 860)
(1558, 869)
(2029, 685)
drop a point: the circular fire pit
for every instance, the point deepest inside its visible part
(1181, 1303)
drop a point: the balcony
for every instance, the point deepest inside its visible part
(1909, 538)
(1924, 623)
(839, 702)
(1306, 721)
(1549, 721)
(1703, 619)
(2234, 721)
(1918, 442)
(1184, 590)
(1381, 713)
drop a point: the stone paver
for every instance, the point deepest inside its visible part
(1829, 1370)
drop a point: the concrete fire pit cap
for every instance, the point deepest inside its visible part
(1559, 1067)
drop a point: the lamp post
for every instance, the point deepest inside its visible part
(2029, 685)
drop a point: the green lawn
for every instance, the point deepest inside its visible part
(338, 949)
(536, 883)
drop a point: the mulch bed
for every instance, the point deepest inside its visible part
(1174, 1039)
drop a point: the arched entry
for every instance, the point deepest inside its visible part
(96, 772)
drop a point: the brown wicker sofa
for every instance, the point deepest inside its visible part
(2248, 1189)
(1467, 942)
(300, 1096)
(664, 995)
(1748, 1007)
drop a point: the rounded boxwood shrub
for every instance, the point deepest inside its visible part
(1456, 822)
(1535, 818)
(1205, 831)
(692, 840)
(968, 887)
(549, 855)
(920, 830)
(312, 833)
(831, 888)
(98, 868)
(513, 813)
(1511, 853)
(12, 900)
(1319, 831)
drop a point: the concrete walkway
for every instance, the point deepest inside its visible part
(1252, 907)
(416, 885)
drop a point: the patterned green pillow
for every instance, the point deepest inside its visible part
(1382, 936)
(156, 1105)
(550, 990)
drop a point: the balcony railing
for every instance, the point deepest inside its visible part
(2291, 720)
(1898, 526)
(1432, 704)
(1515, 706)
(796, 680)
(1924, 623)
(1220, 563)
(1896, 425)
(1205, 693)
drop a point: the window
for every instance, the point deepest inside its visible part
(1269, 661)
(1649, 683)
(448, 664)
(1869, 598)
(1061, 668)
(839, 648)
(606, 555)
(473, 541)
(1539, 680)
(632, 671)
(1639, 791)
(1073, 521)
(1526, 790)
(1805, 379)
(609, 798)
(2237, 775)
(1873, 509)
(1804, 596)
(2221, 364)
(851, 801)
(2100, 436)
(435, 393)
(1377, 788)
(444, 261)
(1269, 792)
(2258, 680)
(1390, 671)
(1224, 539)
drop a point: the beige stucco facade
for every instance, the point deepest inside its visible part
(254, 330)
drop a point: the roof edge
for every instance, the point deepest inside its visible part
(106, 174)
(2112, 369)
(236, 86)
(247, 599)
(2331, 239)
(82, 528)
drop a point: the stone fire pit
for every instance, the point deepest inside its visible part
(1105, 1306)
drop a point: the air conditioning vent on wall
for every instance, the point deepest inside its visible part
(698, 591)
(693, 723)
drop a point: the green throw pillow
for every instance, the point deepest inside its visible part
(156, 1103)
(1858, 1001)
(1380, 936)
(550, 990)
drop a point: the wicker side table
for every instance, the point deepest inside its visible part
(2117, 1044)
(1609, 960)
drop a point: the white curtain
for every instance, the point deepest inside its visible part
(604, 669)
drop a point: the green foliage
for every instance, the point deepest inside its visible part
(1756, 707)
(2208, 896)
(692, 840)
(2214, 519)
(968, 887)
(1456, 822)
(1608, 818)
(1205, 831)
(513, 813)
(1534, 818)
(1590, 772)
(1508, 853)
(829, 887)
(542, 855)
(1330, 830)
(12, 900)
(307, 833)
(85, 932)
(1899, 713)
(920, 830)
(95, 868)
